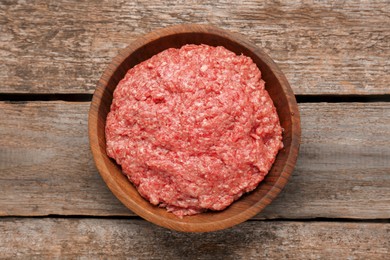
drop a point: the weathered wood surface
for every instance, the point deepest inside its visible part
(342, 170)
(324, 47)
(96, 238)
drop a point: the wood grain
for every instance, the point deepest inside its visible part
(107, 238)
(325, 47)
(342, 170)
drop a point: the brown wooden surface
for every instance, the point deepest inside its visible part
(136, 239)
(342, 170)
(332, 47)
(324, 47)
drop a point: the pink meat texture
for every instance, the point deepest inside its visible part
(193, 128)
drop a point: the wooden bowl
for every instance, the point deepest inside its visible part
(276, 84)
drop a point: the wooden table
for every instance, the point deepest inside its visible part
(53, 203)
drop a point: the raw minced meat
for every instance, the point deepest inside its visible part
(193, 128)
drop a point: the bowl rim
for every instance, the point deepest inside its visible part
(118, 189)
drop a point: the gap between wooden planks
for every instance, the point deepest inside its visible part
(342, 170)
(96, 238)
(325, 47)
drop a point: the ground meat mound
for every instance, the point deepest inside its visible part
(193, 128)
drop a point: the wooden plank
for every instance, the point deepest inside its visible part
(324, 47)
(342, 170)
(344, 163)
(107, 238)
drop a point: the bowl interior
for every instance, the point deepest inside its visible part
(277, 86)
